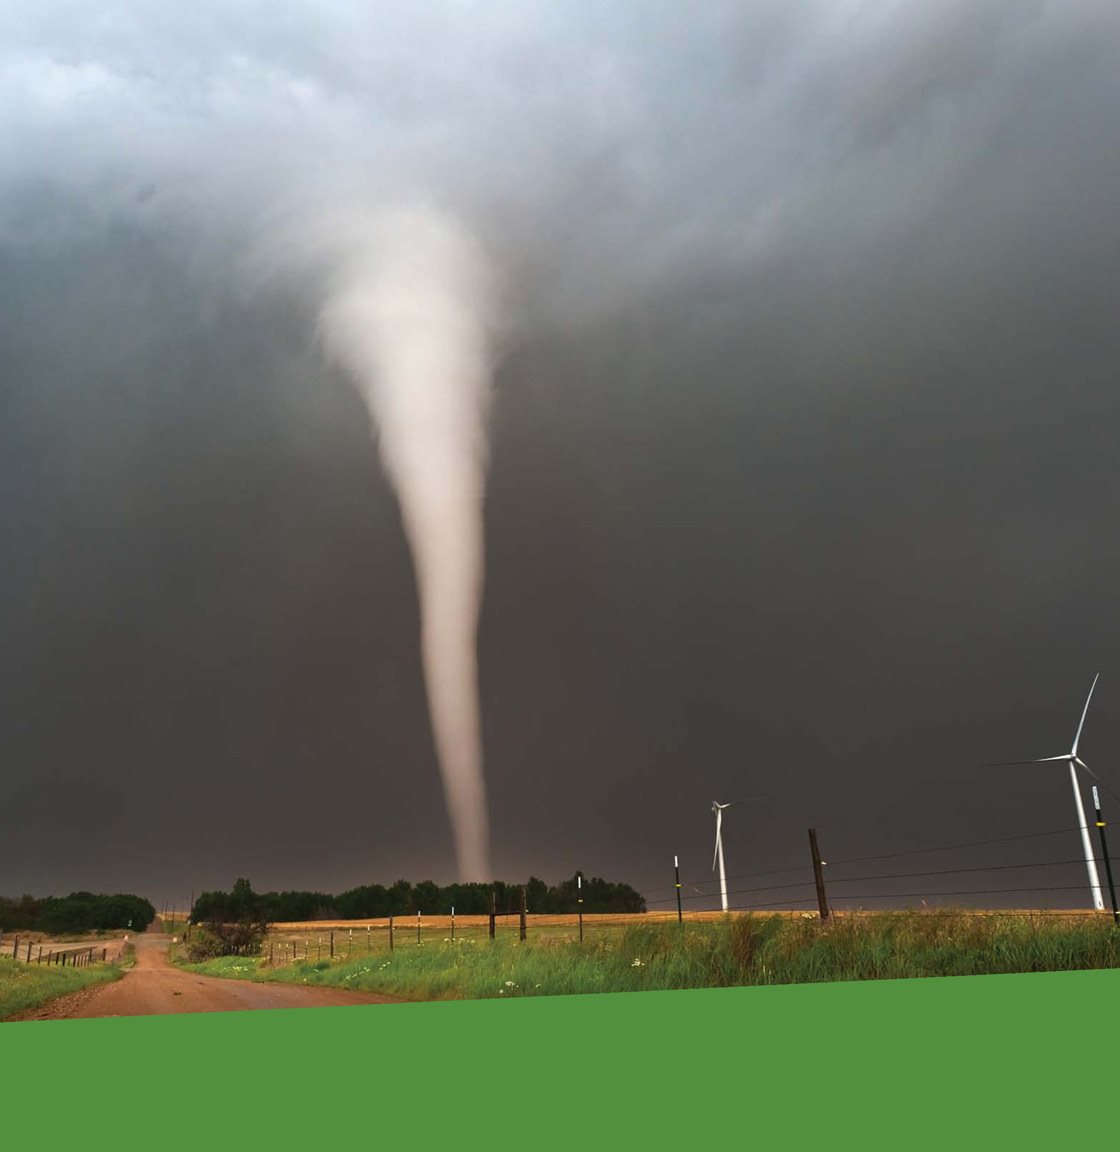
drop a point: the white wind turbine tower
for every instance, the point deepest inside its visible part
(718, 808)
(1075, 761)
(717, 858)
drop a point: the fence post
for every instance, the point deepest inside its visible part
(818, 874)
(390, 933)
(104, 954)
(332, 943)
(493, 910)
(28, 951)
(524, 909)
(39, 955)
(15, 949)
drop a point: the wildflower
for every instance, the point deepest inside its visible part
(637, 963)
(510, 984)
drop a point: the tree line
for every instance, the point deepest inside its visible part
(78, 912)
(376, 901)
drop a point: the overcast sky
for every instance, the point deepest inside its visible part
(803, 473)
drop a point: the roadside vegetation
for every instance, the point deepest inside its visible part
(24, 986)
(738, 950)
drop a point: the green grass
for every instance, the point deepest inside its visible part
(25, 986)
(733, 951)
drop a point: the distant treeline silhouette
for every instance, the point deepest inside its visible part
(78, 912)
(374, 901)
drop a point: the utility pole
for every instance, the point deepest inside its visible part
(818, 874)
(677, 871)
(524, 909)
(1104, 853)
(579, 902)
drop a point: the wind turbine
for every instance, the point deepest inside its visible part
(718, 808)
(1075, 761)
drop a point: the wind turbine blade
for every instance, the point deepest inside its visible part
(1016, 763)
(1083, 713)
(746, 800)
(1102, 783)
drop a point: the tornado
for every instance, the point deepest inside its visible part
(408, 314)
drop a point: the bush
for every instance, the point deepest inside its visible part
(206, 941)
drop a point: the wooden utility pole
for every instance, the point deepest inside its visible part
(493, 909)
(818, 874)
(524, 909)
(579, 902)
(677, 872)
(1104, 853)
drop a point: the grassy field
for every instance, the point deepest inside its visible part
(28, 985)
(717, 952)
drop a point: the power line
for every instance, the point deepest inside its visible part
(863, 859)
(731, 879)
(952, 847)
(888, 876)
(919, 895)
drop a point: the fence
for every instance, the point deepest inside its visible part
(31, 951)
(778, 888)
(854, 886)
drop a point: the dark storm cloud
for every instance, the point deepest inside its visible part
(802, 457)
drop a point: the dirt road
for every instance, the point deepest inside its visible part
(154, 987)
